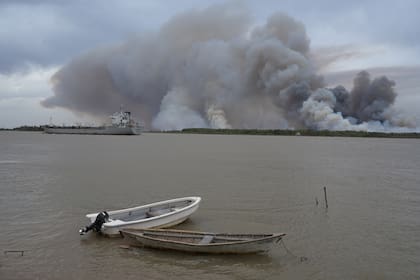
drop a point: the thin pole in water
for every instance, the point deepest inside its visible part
(325, 195)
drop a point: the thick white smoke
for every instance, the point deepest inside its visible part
(210, 68)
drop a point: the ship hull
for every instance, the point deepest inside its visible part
(94, 130)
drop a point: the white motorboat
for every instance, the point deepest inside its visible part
(161, 214)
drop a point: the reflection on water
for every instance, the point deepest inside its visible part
(203, 265)
(196, 261)
(252, 184)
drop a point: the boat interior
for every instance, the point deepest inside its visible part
(149, 212)
(202, 238)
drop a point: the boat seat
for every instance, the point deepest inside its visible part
(207, 239)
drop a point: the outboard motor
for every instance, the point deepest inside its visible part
(101, 218)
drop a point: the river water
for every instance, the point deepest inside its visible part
(254, 184)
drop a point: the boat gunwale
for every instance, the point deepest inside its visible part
(270, 236)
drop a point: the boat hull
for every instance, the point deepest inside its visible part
(94, 130)
(247, 245)
(161, 214)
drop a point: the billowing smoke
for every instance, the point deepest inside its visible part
(213, 68)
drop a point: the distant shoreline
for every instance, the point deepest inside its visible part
(272, 132)
(301, 132)
(24, 128)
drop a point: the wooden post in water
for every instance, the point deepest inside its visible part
(325, 195)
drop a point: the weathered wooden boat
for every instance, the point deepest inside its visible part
(202, 242)
(161, 214)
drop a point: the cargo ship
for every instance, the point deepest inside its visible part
(121, 124)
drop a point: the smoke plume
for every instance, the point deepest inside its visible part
(213, 68)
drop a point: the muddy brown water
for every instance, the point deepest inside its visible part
(253, 184)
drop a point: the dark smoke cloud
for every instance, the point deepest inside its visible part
(371, 99)
(210, 68)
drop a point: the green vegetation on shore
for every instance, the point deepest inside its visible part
(296, 132)
(25, 128)
(279, 132)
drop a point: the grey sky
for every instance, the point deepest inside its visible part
(39, 36)
(52, 32)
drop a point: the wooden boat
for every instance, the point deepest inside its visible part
(161, 214)
(202, 242)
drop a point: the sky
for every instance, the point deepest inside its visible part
(38, 37)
